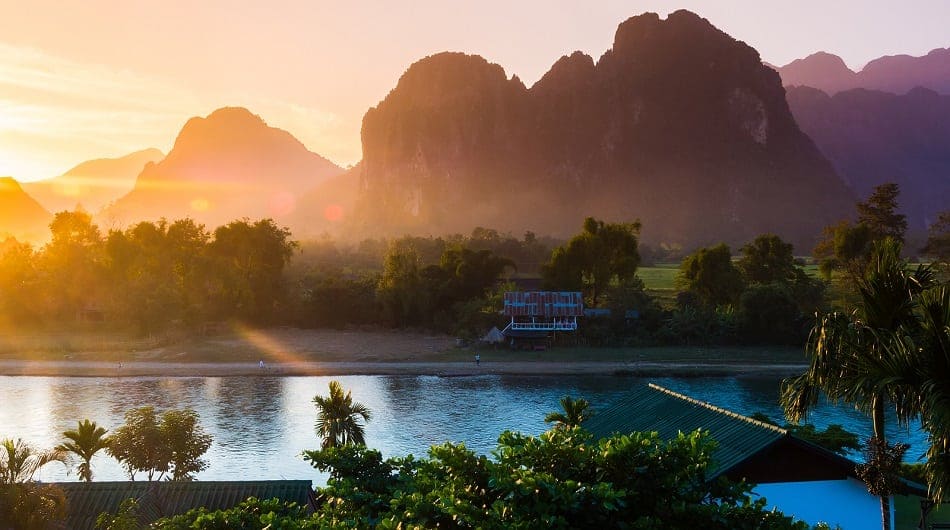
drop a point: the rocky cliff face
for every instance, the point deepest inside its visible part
(225, 166)
(874, 137)
(677, 124)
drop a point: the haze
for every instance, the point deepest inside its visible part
(83, 80)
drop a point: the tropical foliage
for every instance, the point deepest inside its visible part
(339, 419)
(24, 503)
(172, 444)
(560, 479)
(843, 347)
(573, 412)
(84, 442)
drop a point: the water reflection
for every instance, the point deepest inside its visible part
(262, 424)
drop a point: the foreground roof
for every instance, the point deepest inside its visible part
(85, 501)
(740, 438)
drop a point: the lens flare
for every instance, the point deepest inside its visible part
(333, 213)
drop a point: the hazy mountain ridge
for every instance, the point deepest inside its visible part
(225, 166)
(895, 73)
(874, 137)
(21, 216)
(677, 124)
(93, 183)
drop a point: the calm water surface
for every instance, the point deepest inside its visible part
(261, 424)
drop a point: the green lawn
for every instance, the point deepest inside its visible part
(659, 277)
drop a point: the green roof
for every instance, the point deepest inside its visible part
(85, 501)
(654, 408)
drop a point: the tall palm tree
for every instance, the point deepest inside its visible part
(19, 461)
(84, 442)
(573, 412)
(23, 502)
(338, 418)
(916, 373)
(841, 346)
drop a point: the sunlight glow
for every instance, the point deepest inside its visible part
(333, 213)
(270, 347)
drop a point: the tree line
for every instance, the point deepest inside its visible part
(169, 446)
(177, 275)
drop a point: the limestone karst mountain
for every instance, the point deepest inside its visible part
(896, 74)
(92, 184)
(20, 215)
(874, 137)
(225, 166)
(678, 124)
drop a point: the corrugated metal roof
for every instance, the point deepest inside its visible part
(654, 408)
(85, 501)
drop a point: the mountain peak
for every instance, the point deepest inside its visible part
(896, 74)
(224, 166)
(9, 184)
(676, 114)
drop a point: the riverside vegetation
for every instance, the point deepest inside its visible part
(173, 279)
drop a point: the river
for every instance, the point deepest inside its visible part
(260, 425)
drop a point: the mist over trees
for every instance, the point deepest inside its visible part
(177, 278)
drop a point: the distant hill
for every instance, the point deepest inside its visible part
(92, 184)
(896, 74)
(20, 215)
(223, 167)
(328, 208)
(874, 137)
(678, 124)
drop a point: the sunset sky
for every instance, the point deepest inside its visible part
(102, 78)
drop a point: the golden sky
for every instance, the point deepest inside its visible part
(102, 78)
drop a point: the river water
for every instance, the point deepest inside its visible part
(261, 425)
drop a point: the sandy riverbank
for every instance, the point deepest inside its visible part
(446, 369)
(290, 352)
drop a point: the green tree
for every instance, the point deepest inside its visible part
(938, 239)
(768, 259)
(138, 444)
(24, 503)
(125, 518)
(560, 479)
(572, 414)
(841, 346)
(879, 213)
(600, 254)
(848, 246)
(250, 259)
(915, 371)
(173, 443)
(845, 247)
(84, 442)
(710, 274)
(72, 263)
(400, 290)
(338, 418)
(20, 286)
(186, 442)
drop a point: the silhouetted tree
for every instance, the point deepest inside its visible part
(84, 442)
(710, 274)
(338, 418)
(600, 254)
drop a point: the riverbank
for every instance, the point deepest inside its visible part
(443, 369)
(293, 352)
